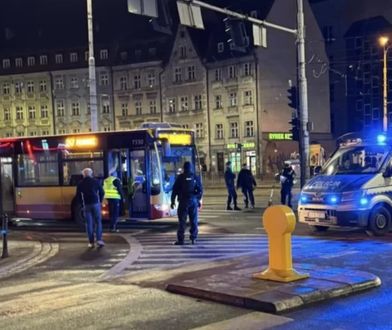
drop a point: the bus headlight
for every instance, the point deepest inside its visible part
(304, 199)
(363, 201)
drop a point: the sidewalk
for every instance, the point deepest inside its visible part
(233, 284)
(24, 253)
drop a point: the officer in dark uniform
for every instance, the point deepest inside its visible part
(188, 189)
(287, 181)
(230, 185)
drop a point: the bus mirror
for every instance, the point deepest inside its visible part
(317, 170)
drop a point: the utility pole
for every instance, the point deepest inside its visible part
(303, 95)
(91, 69)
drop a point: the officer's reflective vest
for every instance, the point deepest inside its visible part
(110, 189)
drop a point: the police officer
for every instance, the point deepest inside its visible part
(113, 194)
(230, 185)
(188, 189)
(247, 183)
(287, 181)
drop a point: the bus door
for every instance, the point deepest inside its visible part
(7, 185)
(139, 205)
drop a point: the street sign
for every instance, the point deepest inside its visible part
(190, 15)
(143, 7)
(259, 35)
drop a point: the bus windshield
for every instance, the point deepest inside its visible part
(356, 160)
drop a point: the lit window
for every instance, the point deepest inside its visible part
(172, 105)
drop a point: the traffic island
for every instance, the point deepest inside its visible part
(234, 285)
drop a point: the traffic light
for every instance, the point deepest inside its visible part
(294, 128)
(239, 147)
(293, 97)
(236, 34)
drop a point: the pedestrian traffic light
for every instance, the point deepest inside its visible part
(294, 128)
(293, 97)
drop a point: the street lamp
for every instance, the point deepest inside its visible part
(384, 43)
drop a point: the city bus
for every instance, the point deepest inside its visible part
(39, 174)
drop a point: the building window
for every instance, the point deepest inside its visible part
(138, 107)
(31, 61)
(248, 100)
(60, 109)
(44, 111)
(191, 72)
(42, 86)
(62, 131)
(31, 112)
(124, 109)
(172, 105)
(7, 114)
(43, 60)
(103, 54)
(6, 89)
(177, 74)
(30, 86)
(218, 101)
(234, 130)
(123, 83)
(6, 63)
(151, 79)
(218, 74)
(219, 131)
(75, 109)
(59, 58)
(74, 82)
(106, 128)
(18, 87)
(104, 79)
(33, 133)
(184, 103)
(19, 113)
(153, 107)
(182, 51)
(59, 83)
(186, 126)
(20, 134)
(233, 99)
(73, 57)
(249, 131)
(198, 103)
(231, 72)
(247, 69)
(105, 105)
(220, 47)
(199, 130)
(76, 130)
(136, 81)
(18, 62)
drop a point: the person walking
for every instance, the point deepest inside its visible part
(247, 183)
(230, 185)
(287, 176)
(113, 193)
(188, 190)
(90, 194)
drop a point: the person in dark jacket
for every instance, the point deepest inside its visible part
(188, 190)
(247, 183)
(287, 176)
(230, 185)
(113, 193)
(90, 194)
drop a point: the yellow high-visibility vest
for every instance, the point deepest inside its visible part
(110, 189)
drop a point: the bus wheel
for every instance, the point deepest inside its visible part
(379, 220)
(78, 215)
(320, 228)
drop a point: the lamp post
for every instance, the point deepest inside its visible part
(384, 43)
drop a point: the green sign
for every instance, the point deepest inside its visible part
(231, 145)
(245, 145)
(248, 145)
(280, 136)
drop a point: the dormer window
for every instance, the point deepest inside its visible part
(43, 60)
(31, 61)
(220, 47)
(59, 58)
(18, 62)
(6, 63)
(73, 57)
(103, 54)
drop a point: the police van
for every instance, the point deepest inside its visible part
(352, 189)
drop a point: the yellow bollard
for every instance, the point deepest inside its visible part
(279, 223)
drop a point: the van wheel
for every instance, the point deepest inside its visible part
(320, 228)
(78, 215)
(379, 220)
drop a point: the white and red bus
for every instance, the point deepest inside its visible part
(39, 174)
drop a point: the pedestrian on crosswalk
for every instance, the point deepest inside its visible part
(247, 183)
(188, 190)
(230, 185)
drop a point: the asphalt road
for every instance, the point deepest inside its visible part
(122, 288)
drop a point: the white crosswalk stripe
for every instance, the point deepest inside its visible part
(159, 252)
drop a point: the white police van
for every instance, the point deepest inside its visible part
(353, 188)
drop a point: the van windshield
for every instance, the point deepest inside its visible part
(356, 160)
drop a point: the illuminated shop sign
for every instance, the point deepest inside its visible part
(245, 145)
(280, 136)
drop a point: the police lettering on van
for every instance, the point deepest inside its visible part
(354, 188)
